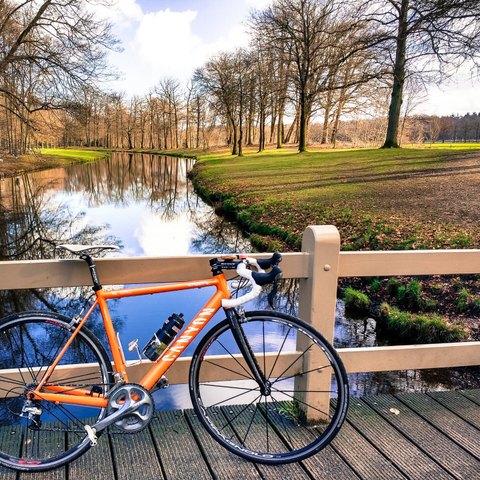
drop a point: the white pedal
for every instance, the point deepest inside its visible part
(91, 435)
(133, 345)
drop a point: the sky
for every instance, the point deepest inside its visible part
(171, 38)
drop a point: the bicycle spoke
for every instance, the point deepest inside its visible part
(19, 367)
(235, 396)
(316, 369)
(220, 343)
(11, 380)
(227, 386)
(264, 359)
(296, 360)
(229, 423)
(250, 424)
(306, 404)
(279, 352)
(266, 423)
(47, 360)
(282, 419)
(228, 369)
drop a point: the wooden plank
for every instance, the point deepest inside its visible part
(180, 456)
(53, 443)
(473, 395)
(224, 464)
(419, 262)
(11, 441)
(406, 456)
(256, 440)
(438, 446)
(134, 456)
(363, 457)
(461, 432)
(407, 357)
(460, 405)
(114, 271)
(326, 464)
(96, 463)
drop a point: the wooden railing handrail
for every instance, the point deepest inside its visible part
(318, 267)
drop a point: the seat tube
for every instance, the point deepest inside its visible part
(117, 355)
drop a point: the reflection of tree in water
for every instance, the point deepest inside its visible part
(216, 235)
(159, 181)
(30, 226)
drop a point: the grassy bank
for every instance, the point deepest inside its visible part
(378, 199)
(48, 158)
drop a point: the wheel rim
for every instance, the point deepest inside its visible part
(293, 418)
(52, 434)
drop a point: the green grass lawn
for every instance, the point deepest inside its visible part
(379, 199)
(70, 154)
(317, 176)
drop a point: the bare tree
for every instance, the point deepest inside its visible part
(217, 79)
(314, 33)
(433, 128)
(55, 46)
(431, 37)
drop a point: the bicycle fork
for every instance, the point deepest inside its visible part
(234, 317)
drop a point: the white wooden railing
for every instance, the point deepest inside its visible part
(318, 267)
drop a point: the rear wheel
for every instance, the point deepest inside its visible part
(290, 418)
(40, 435)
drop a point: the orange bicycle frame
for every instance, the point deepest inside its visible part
(172, 352)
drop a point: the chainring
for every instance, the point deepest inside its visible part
(140, 418)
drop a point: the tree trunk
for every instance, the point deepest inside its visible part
(326, 118)
(302, 140)
(391, 140)
(280, 129)
(292, 128)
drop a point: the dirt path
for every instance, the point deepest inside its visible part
(449, 194)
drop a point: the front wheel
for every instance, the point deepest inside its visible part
(291, 416)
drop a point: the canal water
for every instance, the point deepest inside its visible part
(146, 205)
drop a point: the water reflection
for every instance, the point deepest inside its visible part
(144, 203)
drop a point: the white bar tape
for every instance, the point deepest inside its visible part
(253, 293)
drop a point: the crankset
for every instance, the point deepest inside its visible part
(130, 408)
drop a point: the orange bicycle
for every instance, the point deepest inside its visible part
(260, 381)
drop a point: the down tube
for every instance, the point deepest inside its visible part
(183, 341)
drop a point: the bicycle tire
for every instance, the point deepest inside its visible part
(28, 344)
(289, 423)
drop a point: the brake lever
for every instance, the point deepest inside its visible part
(271, 295)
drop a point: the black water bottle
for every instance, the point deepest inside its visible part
(164, 337)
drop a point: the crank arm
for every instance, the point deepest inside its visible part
(130, 406)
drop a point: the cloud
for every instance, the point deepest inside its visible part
(122, 13)
(258, 4)
(162, 43)
(165, 45)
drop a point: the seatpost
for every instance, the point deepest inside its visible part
(93, 271)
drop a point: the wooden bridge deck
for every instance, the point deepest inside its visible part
(408, 436)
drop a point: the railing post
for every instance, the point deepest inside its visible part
(317, 302)
(318, 293)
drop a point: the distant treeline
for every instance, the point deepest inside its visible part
(315, 71)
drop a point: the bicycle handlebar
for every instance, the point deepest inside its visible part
(257, 279)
